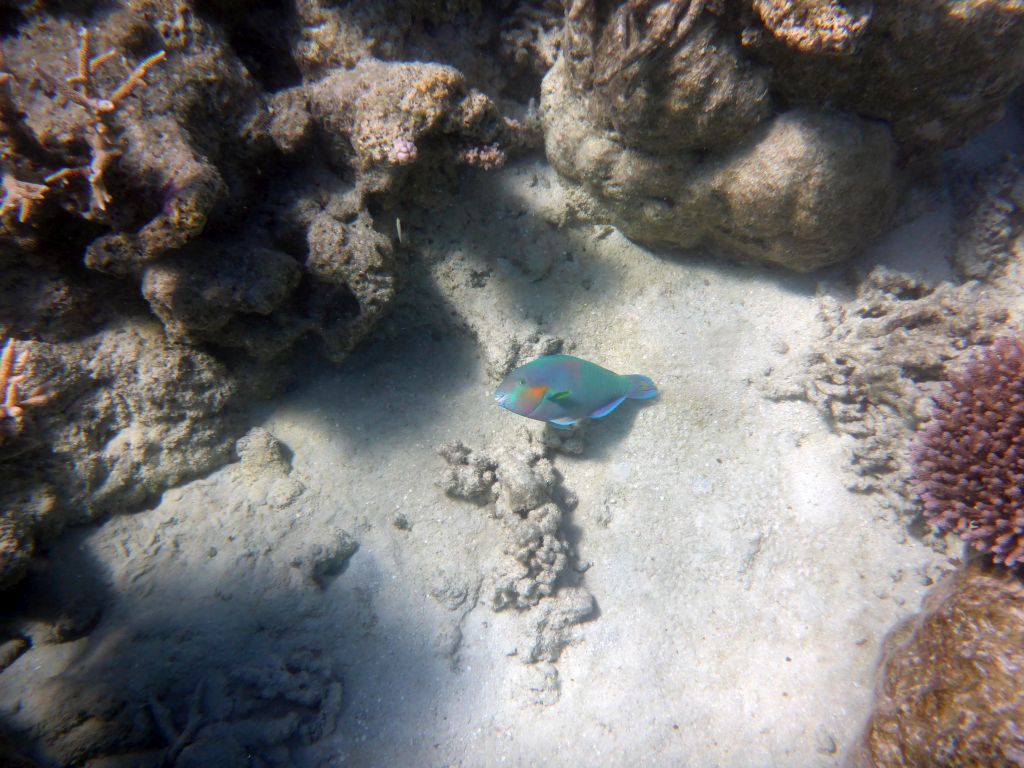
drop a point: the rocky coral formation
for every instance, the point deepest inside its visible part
(889, 61)
(128, 416)
(967, 458)
(689, 122)
(883, 358)
(194, 212)
(949, 692)
(157, 162)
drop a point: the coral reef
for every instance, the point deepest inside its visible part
(688, 122)
(949, 690)
(889, 61)
(155, 160)
(968, 460)
(178, 188)
(884, 355)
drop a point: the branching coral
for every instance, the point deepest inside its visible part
(98, 132)
(13, 375)
(969, 459)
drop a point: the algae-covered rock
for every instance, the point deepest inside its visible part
(707, 94)
(805, 189)
(949, 693)
(937, 71)
(774, 129)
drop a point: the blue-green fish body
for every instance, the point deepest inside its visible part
(562, 390)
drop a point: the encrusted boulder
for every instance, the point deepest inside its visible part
(949, 692)
(773, 130)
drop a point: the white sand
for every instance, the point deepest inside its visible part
(742, 590)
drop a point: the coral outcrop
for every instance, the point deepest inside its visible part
(949, 690)
(211, 195)
(164, 158)
(129, 415)
(775, 130)
(891, 62)
(968, 460)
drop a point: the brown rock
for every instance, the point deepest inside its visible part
(950, 692)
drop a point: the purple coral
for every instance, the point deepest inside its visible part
(968, 461)
(403, 152)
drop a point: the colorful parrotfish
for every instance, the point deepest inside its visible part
(562, 390)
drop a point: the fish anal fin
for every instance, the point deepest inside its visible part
(563, 423)
(604, 410)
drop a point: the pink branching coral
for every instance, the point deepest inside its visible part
(969, 459)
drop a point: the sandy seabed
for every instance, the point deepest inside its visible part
(741, 589)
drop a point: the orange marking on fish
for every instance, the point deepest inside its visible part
(537, 392)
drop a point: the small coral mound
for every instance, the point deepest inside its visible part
(969, 459)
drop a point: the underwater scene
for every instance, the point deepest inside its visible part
(472, 383)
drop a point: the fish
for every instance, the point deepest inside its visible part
(564, 390)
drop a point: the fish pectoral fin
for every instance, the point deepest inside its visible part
(604, 410)
(560, 397)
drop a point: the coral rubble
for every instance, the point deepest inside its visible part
(883, 357)
(528, 500)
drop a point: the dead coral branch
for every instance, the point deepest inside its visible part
(20, 196)
(100, 132)
(85, 93)
(13, 374)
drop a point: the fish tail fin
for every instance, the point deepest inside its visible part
(641, 387)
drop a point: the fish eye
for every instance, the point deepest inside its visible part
(522, 382)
